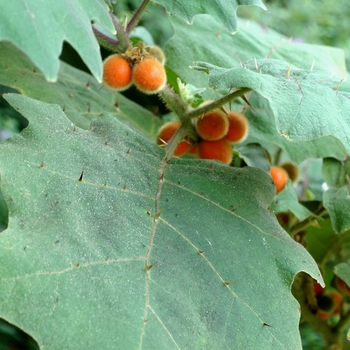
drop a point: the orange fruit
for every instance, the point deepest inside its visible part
(167, 131)
(279, 177)
(217, 150)
(149, 75)
(238, 127)
(213, 125)
(117, 72)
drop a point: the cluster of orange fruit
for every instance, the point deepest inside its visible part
(142, 66)
(217, 130)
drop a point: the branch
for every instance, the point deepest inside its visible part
(217, 103)
(343, 323)
(135, 19)
(105, 41)
(122, 35)
(174, 102)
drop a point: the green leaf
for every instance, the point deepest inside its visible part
(254, 155)
(110, 247)
(337, 202)
(336, 199)
(288, 200)
(262, 128)
(336, 173)
(321, 241)
(222, 10)
(39, 27)
(293, 96)
(79, 94)
(253, 41)
(342, 270)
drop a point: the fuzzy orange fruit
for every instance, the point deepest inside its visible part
(167, 131)
(217, 150)
(212, 125)
(117, 72)
(279, 177)
(238, 127)
(149, 75)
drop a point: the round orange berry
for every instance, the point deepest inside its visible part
(117, 72)
(279, 177)
(238, 127)
(212, 125)
(167, 131)
(218, 150)
(149, 75)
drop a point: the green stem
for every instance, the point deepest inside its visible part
(135, 19)
(122, 35)
(217, 103)
(173, 102)
(278, 156)
(174, 141)
(307, 222)
(343, 323)
(105, 41)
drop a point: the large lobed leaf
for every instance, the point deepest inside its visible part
(39, 27)
(108, 247)
(223, 10)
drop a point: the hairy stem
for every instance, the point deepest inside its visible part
(174, 141)
(174, 102)
(307, 222)
(217, 103)
(135, 19)
(122, 35)
(105, 41)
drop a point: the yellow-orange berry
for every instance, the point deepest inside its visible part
(117, 72)
(167, 131)
(238, 127)
(279, 177)
(292, 170)
(149, 75)
(218, 150)
(212, 125)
